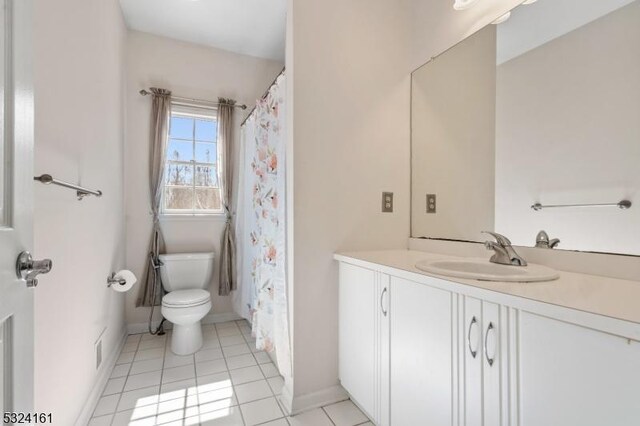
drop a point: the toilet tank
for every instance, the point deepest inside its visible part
(186, 271)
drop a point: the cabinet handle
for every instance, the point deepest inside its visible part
(473, 322)
(381, 299)
(486, 352)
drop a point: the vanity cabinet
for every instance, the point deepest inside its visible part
(426, 351)
(481, 358)
(422, 356)
(574, 375)
(363, 338)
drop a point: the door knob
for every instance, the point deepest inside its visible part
(27, 269)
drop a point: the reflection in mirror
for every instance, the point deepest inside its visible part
(5, 94)
(543, 108)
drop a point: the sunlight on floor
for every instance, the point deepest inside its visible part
(228, 382)
(187, 406)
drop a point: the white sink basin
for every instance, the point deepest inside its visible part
(483, 270)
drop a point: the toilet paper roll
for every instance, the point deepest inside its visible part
(130, 280)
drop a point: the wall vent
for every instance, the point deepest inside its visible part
(97, 348)
(98, 353)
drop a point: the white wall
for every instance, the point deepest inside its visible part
(348, 142)
(568, 132)
(453, 109)
(348, 97)
(188, 70)
(79, 63)
(531, 26)
(436, 26)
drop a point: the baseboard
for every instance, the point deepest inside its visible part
(101, 381)
(286, 398)
(143, 327)
(316, 399)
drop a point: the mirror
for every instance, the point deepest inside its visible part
(541, 110)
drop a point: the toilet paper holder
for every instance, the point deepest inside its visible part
(111, 280)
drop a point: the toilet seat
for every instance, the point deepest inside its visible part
(186, 298)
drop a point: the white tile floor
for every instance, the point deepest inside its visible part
(227, 382)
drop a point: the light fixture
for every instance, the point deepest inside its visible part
(501, 19)
(463, 4)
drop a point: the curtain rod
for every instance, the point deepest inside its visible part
(144, 92)
(264, 95)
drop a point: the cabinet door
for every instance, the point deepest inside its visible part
(364, 339)
(421, 355)
(491, 364)
(481, 355)
(575, 376)
(472, 355)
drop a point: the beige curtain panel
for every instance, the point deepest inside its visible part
(228, 245)
(151, 289)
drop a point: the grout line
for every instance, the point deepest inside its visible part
(165, 346)
(195, 379)
(327, 414)
(164, 349)
(126, 377)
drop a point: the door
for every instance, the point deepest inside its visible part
(571, 375)
(356, 337)
(421, 354)
(472, 355)
(16, 181)
(481, 355)
(364, 339)
(491, 364)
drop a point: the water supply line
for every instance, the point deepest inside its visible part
(155, 265)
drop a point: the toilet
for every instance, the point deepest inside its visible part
(185, 276)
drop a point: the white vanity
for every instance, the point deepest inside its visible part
(419, 349)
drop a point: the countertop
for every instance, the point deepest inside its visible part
(611, 297)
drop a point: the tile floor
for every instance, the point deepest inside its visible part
(227, 382)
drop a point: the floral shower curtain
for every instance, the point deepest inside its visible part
(261, 230)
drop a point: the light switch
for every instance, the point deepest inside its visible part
(387, 202)
(431, 203)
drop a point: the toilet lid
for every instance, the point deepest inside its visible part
(185, 298)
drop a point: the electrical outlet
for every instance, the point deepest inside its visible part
(431, 203)
(387, 202)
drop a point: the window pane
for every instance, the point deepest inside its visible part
(206, 130)
(208, 199)
(206, 152)
(179, 150)
(206, 175)
(177, 198)
(181, 127)
(179, 174)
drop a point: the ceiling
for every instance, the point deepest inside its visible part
(249, 27)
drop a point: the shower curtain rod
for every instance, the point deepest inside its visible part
(264, 95)
(145, 92)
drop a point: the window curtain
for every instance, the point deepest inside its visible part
(150, 294)
(264, 227)
(228, 245)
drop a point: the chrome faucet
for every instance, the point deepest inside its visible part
(504, 252)
(543, 241)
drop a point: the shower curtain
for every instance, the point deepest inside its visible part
(262, 292)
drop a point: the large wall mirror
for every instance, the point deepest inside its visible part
(533, 124)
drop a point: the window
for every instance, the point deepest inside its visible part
(192, 161)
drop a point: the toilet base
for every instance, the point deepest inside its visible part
(186, 339)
